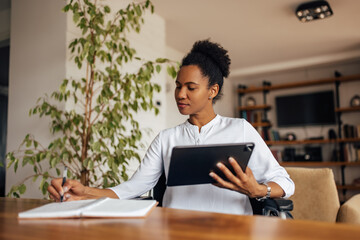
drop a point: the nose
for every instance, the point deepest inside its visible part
(180, 93)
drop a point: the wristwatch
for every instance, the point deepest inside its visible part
(268, 193)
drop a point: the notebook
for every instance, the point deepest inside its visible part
(192, 164)
(99, 208)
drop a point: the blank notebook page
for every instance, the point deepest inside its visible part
(118, 208)
(54, 210)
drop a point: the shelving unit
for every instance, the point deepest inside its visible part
(340, 141)
(317, 141)
(319, 164)
(348, 109)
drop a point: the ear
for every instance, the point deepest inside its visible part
(214, 90)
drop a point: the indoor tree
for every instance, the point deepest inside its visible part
(99, 135)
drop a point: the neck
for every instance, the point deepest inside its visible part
(202, 119)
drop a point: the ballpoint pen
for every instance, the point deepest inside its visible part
(63, 182)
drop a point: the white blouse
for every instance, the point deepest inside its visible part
(205, 197)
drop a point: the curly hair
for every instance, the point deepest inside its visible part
(212, 59)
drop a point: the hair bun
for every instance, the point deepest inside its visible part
(216, 53)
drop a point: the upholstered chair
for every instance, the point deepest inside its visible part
(316, 196)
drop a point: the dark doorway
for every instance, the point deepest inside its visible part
(4, 84)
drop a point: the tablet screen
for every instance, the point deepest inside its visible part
(192, 164)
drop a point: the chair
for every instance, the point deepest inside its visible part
(316, 197)
(350, 211)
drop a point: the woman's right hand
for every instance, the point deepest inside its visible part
(71, 191)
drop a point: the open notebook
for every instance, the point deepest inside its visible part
(99, 208)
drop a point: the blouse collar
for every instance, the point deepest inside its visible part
(206, 126)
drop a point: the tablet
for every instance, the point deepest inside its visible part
(191, 165)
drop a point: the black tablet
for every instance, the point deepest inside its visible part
(192, 164)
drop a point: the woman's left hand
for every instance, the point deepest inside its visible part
(243, 182)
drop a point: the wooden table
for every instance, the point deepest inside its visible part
(165, 223)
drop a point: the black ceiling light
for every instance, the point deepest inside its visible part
(313, 10)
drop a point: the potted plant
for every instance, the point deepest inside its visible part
(99, 135)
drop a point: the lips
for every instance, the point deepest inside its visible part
(181, 105)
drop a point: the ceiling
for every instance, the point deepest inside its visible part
(262, 35)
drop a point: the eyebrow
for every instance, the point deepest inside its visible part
(187, 83)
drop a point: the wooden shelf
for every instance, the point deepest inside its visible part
(300, 84)
(256, 107)
(348, 109)
(261, 124)
(348, 187)
(316, 141)
(319, 164)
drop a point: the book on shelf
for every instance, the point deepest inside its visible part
(351, 131)
(351, 152)
(98, 208)
(252, 116)
(275, 136)
(277, 155)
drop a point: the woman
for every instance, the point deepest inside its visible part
(198, 86)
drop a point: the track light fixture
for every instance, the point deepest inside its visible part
(313, 10)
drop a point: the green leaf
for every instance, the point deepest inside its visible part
(29, 152)
(161, 60)
(22, 189)
(66, 8)
(45, 187)
(16, 165)
(16, 195)
(96, 146)
(158, 68)
(138, 10)
(107, 9)
(35, 178)
(76, 17)
(171, 71)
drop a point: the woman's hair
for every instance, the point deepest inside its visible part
(212, 59)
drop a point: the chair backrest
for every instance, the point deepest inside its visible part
(159, 189)
(316, 196)
(350, 211)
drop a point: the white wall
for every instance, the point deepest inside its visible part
(173, 116)
(37, 66)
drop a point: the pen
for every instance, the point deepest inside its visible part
(63, 182)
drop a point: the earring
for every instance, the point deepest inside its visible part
(209, 98)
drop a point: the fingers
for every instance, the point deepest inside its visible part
(229, 175)
(243, 182)
(55, 190)
(56, 183)
(236, 167)
(221, 182)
